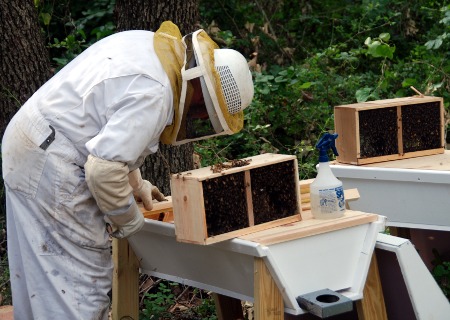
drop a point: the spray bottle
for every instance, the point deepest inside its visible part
(327, 194)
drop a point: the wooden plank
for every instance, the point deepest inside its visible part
(160, 216)
(248, 196)
(351, 194)
(250, 230)
(255, 162)
(304, 185)
(399, 130)
(401, 156)
(305, 197)
(439, 162)
(346, 125)
(268, 303)
(309, 227)
(125, 287)
(190, 224)
(158, 207)
(386, 103)
(372, 306)
(443, 125)
(228, 308)
(297, 188)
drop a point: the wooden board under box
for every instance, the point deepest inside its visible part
(391, 129)
(209, 206)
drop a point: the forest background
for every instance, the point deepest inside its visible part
(306, 58)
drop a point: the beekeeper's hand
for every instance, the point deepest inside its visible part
(143, 190)
(109, 184)
(124, 226)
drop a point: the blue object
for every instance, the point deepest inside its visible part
(327, 141)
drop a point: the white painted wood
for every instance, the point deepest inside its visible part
(414, 198)
(427, 298)
(330, 260)
(338, 260)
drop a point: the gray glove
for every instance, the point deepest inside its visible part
(123, 226)
(112, 190)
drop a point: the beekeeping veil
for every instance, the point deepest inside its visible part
(226, 85)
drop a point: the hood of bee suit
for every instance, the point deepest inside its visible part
(171, 52)
(200, 63)
(226, 85)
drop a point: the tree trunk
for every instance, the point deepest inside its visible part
(148, 15)
(24, 63)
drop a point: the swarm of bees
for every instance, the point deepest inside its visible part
(219, 167)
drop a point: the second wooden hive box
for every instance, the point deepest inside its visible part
(212, 206)
(391, 129)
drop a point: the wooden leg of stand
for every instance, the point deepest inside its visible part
(268, 299)
(125, 293)
(228, 308)
(372, 306)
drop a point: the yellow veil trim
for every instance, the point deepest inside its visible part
(170, 51)
(235, 121)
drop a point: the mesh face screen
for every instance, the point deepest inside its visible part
(230, 89)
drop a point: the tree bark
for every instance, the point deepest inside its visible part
(24, 63)
(148, 15)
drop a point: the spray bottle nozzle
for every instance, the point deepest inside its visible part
(326, 142)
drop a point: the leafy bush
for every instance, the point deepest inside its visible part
(375, 52)
(71, 27)
(170, 300)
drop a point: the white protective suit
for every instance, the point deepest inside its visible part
(112, 102)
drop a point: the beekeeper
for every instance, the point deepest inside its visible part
(71, 157)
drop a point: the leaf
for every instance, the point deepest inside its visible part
(434, 44)
(46, 17)
(306, 85)
(264, 78)
(409, 82)
(265, 90)
(363, 94)
(280, 79)
(385, 36)
(439, 271)
(378, 50)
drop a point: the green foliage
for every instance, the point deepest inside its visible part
(70, 28)
(349, 53)
(5, 288)
(206, 310)
(157, 304)
(436, 43)
(441, 273)
(163, 304)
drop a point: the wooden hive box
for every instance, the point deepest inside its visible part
(389, 129)
(209, 206)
